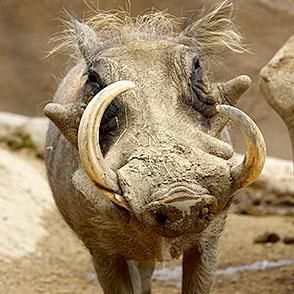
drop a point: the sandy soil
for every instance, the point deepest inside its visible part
(54, 261)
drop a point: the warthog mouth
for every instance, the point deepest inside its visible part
(179, 211)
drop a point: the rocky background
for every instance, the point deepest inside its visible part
(38, 252)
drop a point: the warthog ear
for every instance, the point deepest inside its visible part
(227, 93)
(85, 38)
(66, 118)
(214, 32)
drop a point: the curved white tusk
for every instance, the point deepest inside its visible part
(88, 139)
(253, 162)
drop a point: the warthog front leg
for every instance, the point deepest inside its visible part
(146, 270)
(116, 275)
(198, 267)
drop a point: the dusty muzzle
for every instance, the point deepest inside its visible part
(180, 215)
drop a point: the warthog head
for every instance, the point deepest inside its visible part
(150, 125)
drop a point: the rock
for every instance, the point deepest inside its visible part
(288, 240)
(277, 84)
(25, 198)
(19, 131)
(272, 193)
(36, 129)
(9, 122)
(267, 237)
(277, 177)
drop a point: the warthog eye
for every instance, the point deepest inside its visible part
(95, 82)
(109, 123)
(197, 71)
(109, 127)
(202, 101)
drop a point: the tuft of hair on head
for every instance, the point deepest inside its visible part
(118, 27)
(105, 29)
(214, 33)
(78, 39)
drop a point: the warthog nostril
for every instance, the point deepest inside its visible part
(204, 213)
(160, 218)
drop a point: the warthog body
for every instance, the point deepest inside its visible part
(160, 182)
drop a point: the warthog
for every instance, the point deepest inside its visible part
(140, 163)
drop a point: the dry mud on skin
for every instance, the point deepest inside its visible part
(54, 261)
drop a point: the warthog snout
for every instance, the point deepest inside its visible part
(180, 214)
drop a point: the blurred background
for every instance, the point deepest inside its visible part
(28, 79)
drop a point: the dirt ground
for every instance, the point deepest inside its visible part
(46, 257)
